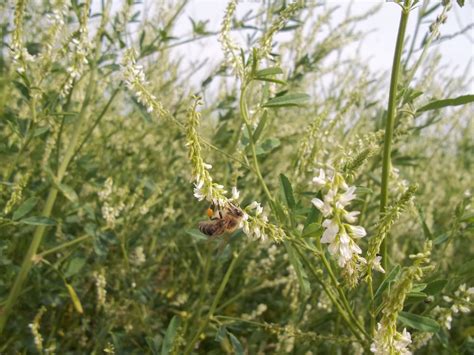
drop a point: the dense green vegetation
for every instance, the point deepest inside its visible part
(354, 187)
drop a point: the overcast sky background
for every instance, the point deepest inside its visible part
(377, 48)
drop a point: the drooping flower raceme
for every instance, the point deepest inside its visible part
(230, 49)
(339, 230)
(254, 222)
(204, 187)
(387, 339)
(400, 343)
(136, 82)
(256, 225)
(79, 48)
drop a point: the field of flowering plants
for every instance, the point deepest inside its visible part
(168, 186)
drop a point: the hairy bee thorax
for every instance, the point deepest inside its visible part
(226, 219)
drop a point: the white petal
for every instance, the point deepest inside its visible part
(317, 203)
(358, 231)
(344, 238)
(330, 232)
(333, 248)
(351, 217)
(235, 193)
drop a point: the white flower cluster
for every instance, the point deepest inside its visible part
(35, 329)
(56, 24)
(138, 256)
(136, 82)
(19, 53)
(256, 226)
(339, 231)
(460, 303)
(261, 308)
(398, 344)
(100, 284)
(206, 189)
(230, 49)
(110, 211)
(80, 48)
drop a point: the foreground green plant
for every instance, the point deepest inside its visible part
(114, 149)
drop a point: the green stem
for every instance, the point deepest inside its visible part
(63, 245)
(331, 296)
(391, 110)
(53, 193)
(245, 117)
(341, 293)
(214, 304)
(372, 303)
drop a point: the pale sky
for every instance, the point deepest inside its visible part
(378, 47)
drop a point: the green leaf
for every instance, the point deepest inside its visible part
(221, 334)
(300, 272)
(417, 322)
(25, 208)
(272, 80)
(287, 100)
(196, 234)
(75, 299)
(467, 269)
(435, 287)
(440, 239)
(38, 221)
(313, 230)
(413, 297)
(460, 2)
(39, 131)
(287, 192)
(68, 192)
(426, 229)
(75, 265)
(390, 278)
(267, 146)
(269, 71)
(170, 335)
(261, 125)
(236, 345)
(418, 287)
(434, 105)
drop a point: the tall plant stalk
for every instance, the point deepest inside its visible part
(53, 192)
(391, 115)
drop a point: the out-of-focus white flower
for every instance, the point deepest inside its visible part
(384, 344)
(377, 264)
(235, 193)
(320, 180)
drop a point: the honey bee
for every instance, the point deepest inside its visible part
(228, 220)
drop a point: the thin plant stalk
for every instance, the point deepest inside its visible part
(203, 324)
(391, 114)
(53, 192)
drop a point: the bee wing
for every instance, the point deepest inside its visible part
(212, 228)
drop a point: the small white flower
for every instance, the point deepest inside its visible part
(357, 231)
(207, 166)
(235, 193)
(320, 180)
(351, 217)
(254, 205)
(332, 228)
(324, 207)
(376, 265)
(346, 197)
(402, 341)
